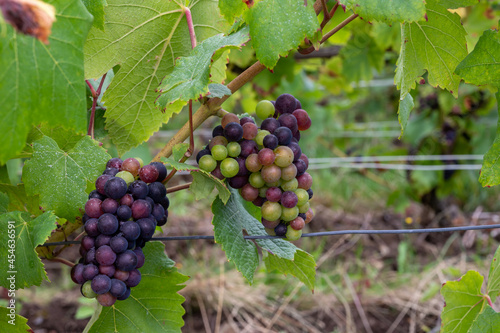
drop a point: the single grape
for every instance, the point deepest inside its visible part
(289, 199)
(134, 278)
(131, 244)
(249, 193)
(109, 206)
(270, 125)
(304, 208)
(77, 273)
(126, 176)
(106, 299)
(85, 218)
(233, 131)
(217, 131)
(238, 182)
(104, 255)
(217, 173)
(246, 120)
(118, 244)
(270, 141)
(280, 229)
(147, 226)
(310, 193)
(256, 180)
(115, 188)
(243, 171)
(93, 208)
(303, 119)
(250, 131)
(87, 242)
(264, 109)
(270, 224)
(271, 211)
(101, 182)
(285, 103)
(284, 135)
(111, 171)
(262, 191)
(252, 163)
(148, 173)
(96, 195)
(125, 296)
(270, 232)
(288, 120)
(140, 209)
(288, 214)
(86, 290)
(107, 270)
(284, 156)
(217, 141)
(101, 284)
(202, 153)
(302, 196)
(139, 189)
(266, 156)
(219, 152)
(259, 139)
(271, 174)
(229, 167)
(298, 105)
(107, 224)
(294, 146)
(248, 147)
(102, 240)
(165, 202)
(91, 227)
(162, 170)
(140, 257)
(289, 172)
(159, 213)
(304, 158)
(114, 163)
(292, 234)
(131, 165)
(157, 191)
(90, 256)
(229, 118)
(259, 201)
(207, 163)
(233, 149)
(290, 185)
(124, 213)
(150, 202)
(301, 167)
(118, 288)
(296, 137)
(121, 275)
(127, 200)
(309, 215)
(126, 261)
(303, 216)
(273, 194)
(305, 181)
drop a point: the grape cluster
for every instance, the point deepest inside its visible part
(121, 215)
(266, 164)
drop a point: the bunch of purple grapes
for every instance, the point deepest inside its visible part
(266, 164)
(121, 215)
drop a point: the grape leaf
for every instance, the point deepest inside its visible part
(359, 56)
(18, 200)
(454, 4)
(96, 8)
(191, 75)
(29, 233)
(405, 107)
(178, 165)
(278, 26)
(302, 266)
(144, 37)
(487, 321)
(4, 203)
(490, 171)
(231, 9)
(60, 177)
(387, 11)
(20, 323)
(204, 183)
(493, 288)
(43, 83)
(65, 139)
(437, 46)
(218, 90)
(153, 306)
(179, 150)
(463, 302)
(482, 65)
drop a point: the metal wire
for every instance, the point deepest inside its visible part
(402, 158)
(320, 234)
(396, 166)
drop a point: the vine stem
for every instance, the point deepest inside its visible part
(95, 96)
(178, 188)
(189, 19)
(338, 27)
(62, 261)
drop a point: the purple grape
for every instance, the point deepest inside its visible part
(140, 257)
(233, 132)
(100, 183)
(130, 230)
(108, 224)
(280, 229)
(124, 296)
(217, 131)
(270, 125)
(93, 208)
(165, 202)
(147, 226)
(87, 242)
(310, 192)
(107, 270)
(97, 195)
(131, 245)
(90, 271)
(238, 182)
(118, 244)
(91, 228)
(296, 137)
(270, 141)
(85, 218)
(298, 105)
(157, 191)
(90, 256)
(301, 166)
(109, 206)
(158, 212)
(141, 209)
(106, 299)
(105, 255)
(245, 120)
(115, 188)
(151, 203)
(273, 194)
(111, 171)
(77, 274)
(140, 242)
(284, 135)
(118, 288)
(101, 284)
(162, 170)
(242, 171)
(114, 163)
(248, 147)
(83, 253)
(127, 200)
(102, 240)
(133, 279)
(285, 103)
(288, 120)
(148, 173)
(138, 189)
(126, 261)
(289, 199)
(121, 275)
(296, 150)
(303, 215)
(202, 153)
(124, 213)
(259, 201)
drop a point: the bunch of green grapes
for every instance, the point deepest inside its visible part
(266, 164)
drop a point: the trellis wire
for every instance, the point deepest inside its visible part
(397, 166)
(402, 158)
(320, 234)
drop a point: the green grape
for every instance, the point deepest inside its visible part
(288, 214)
(229, 167)
(126, 176)
(271, 173)
(262, 191)
(87, 291)
(290, 185)
(264, 109)
(233, 149)
(260, 137)
(302, 195)
(274, 184)
(141, 162)
(304, 208)
(284, 156)
(219, 152)
(292, 234)
(289, 172)
(256, 180)
(270, 232)
(271, 211)
(207, 163)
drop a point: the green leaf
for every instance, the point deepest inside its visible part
(191, 75)
(463, 303)
(405, 107)
(13, 323)
(4, 203)
(178, 165)
(153, 306)
(218, 90)
(359, 56)
(96, 8)
(493, 288)
(387, 11)
(482, 65)
(19, 200)
(65, 139)
(231, 9)
(149, 37)
(302, 266)
(204, 183)
(490, 171)
(454, 4)
(487, 321)
(43, 83)
(179, 150)
(60, 177)
(437, 46)
(278, 26)
(28, 234)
